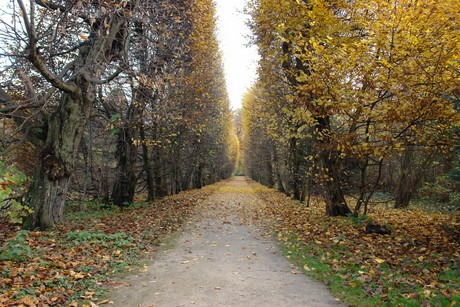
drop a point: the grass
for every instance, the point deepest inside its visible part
(347, 283)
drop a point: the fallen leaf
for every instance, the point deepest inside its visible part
(79, 276)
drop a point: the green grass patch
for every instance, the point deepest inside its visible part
(354, 285)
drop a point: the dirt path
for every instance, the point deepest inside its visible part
(220, 259)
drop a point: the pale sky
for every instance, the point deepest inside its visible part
(240, 62)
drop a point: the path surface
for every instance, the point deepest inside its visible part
(220, 259)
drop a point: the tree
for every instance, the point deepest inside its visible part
(73, 48)
(369, 79)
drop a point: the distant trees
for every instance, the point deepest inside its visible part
(355, 85)
(140, 82)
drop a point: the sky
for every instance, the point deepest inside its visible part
(240, 61)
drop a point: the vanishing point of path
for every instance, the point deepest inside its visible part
(220, 259)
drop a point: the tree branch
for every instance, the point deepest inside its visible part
(24, 17)
(5, 99)
(55, 7)
(88, 78)
(38, 63)
(36, 60)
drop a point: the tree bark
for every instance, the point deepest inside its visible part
(125, 181)
(268, 162)
(411, 176)
(48, 189)
(336, 204)
(294, 167)
(147, 167)
(330, 163)
(279, 181)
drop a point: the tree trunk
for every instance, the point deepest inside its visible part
(198, 177)
(335, 200)
(279, 181)
(270, 181)
(160, 190)
(125, 181)
(403, 199)
(336, 204)
(405, 187)
(48, 188)
(126, 154)
(412, 170)
(147, 167)
(295, 182)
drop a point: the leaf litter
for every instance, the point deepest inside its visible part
(69, 265)
(418, 262)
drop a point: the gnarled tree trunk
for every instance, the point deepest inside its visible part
(47, 191)
(49, 185)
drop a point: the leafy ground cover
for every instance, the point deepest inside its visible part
(417, 264)
(68, 265)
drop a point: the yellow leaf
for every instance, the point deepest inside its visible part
(79, 276)
(379, 261)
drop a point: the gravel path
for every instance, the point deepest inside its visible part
(220, 259)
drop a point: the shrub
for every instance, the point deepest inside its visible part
(12, 183)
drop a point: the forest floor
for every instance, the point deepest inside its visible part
(222, 259)
(232, 243)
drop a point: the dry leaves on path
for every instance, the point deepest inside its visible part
(69, 264)
(418, 263)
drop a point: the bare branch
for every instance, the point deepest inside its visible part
(6, 100)
(69, 50)
(30, 90)
(88, 78)
(63, 9)
(36, 60)
(24, 16)
(49, 76)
